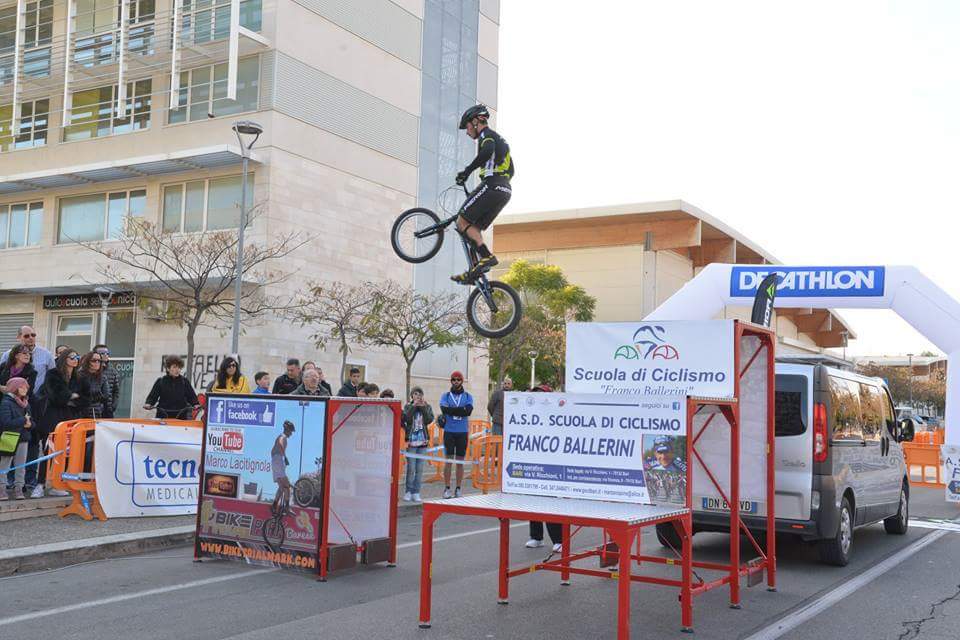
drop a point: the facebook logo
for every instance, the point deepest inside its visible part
(247, 413)
(676, 406)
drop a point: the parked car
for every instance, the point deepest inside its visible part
(839, 463)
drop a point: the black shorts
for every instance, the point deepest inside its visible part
(486, 202)
(455, 444)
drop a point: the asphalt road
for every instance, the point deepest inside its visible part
(167, 596)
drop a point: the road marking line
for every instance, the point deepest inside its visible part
(199, 583)
(129, 596)
(831, 598)
(407, 545)
(941, 525)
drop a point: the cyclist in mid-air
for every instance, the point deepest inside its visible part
(491, 196)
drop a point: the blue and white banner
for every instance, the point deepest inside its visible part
(950, 454)
(147, 469)
(241, 412)
(623, 449)
(673, 357)
(810, 282)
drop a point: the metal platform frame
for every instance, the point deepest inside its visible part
(624, 528)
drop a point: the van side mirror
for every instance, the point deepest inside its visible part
(906, 431)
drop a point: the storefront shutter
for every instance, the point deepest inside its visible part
(10, 324)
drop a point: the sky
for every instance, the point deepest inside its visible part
(826, 132)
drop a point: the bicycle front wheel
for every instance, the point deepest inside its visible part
(404, 236)
(494, 310)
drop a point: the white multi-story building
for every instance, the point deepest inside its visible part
(114, 108)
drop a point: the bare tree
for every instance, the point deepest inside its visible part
(338, 311)
(414, 322)
(194, 274)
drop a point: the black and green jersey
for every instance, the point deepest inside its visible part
(493, 156)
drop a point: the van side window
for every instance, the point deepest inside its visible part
(790, 415)
(871, 403)
(845, 406)
(888, 413)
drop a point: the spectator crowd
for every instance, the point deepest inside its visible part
(40, 389)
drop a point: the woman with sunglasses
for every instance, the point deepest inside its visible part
(65, 400)
(229, 379)
(17, 365)
(94, 385)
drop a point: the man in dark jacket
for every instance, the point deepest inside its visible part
(286, 383)
(349, 388)
(171, 394)
(112, 377)
(495, 406)
(311, 385)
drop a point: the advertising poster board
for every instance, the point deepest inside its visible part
(147, 469)
(622, 449)
(246, 456)
(950, 454)
(362, 491)
(677, 358)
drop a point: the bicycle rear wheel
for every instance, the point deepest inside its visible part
(405, 242)
(494, 315)
(274, 532)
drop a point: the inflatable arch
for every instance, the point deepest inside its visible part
(924, 305)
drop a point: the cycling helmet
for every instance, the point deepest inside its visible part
(476, 111)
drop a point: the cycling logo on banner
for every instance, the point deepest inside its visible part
(649, 343)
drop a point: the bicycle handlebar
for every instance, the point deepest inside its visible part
(170, 414)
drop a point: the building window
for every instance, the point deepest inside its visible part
(37, 37)
(97, 29)
(32, 130)
(98, 216)
(92, 111)
(203, 92)
(21, 225)
(204, 204)
(204, 21)
(8, 40)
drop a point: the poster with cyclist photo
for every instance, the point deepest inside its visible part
(262, 481)
(665, 468)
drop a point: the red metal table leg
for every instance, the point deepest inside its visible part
(565, 574)
(624, 538)
(503, 596)
(686, 572)
(426, 566)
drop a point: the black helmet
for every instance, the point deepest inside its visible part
(476, 111)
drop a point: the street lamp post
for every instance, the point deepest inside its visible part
(910, 379)
(104, 293)
(533, 367)
(242, 128)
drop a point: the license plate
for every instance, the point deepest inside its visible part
(719, 504)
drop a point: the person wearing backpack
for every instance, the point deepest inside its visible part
(15, 425)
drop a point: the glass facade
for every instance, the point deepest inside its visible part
(449, 77)
(98, 216)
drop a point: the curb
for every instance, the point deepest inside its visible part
(61, 554)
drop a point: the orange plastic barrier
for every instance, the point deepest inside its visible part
(487, 460)
(923, 462)
(75, 469)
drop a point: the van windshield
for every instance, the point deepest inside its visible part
(791, 405)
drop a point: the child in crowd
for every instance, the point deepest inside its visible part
(15, 425)
(262, 378)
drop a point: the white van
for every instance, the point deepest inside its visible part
(839, 464)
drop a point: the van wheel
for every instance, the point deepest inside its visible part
(668, 537)
(836, 550)
(898, 524)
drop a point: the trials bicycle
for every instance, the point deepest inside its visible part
(493, 307)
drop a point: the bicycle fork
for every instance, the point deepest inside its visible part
(481, 282)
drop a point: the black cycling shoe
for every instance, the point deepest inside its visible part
(467, 277)
(485, 264)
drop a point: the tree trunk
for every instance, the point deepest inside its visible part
(409, 367)
(191, 332)
(343, 358)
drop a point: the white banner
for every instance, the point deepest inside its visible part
(677, 358)
(147, 469)
(950, 454)
(623, 449)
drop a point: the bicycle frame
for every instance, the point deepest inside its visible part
(468, 250)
